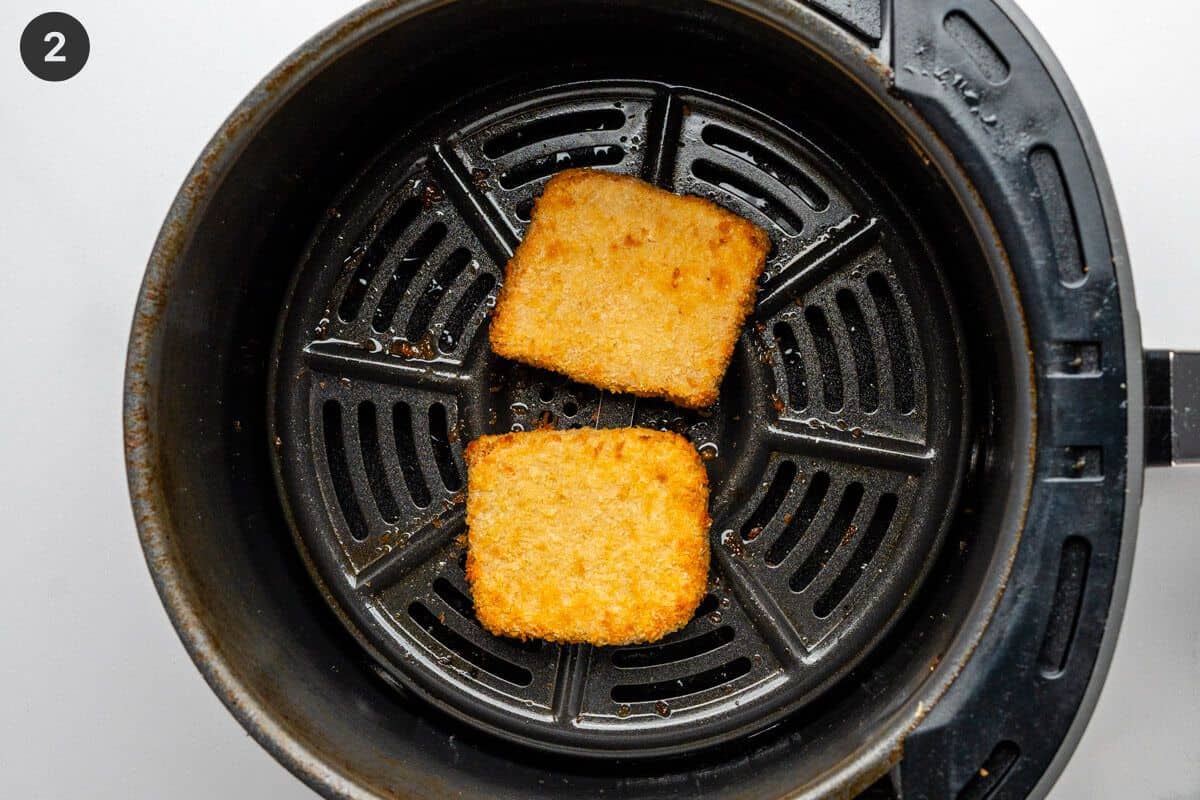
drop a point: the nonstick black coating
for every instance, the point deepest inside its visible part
(834, 453)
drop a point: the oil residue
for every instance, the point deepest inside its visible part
(430, 194)
(421, 350)
(733, 544)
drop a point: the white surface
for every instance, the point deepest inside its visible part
(99, 699)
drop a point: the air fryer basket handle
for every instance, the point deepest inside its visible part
(1172, 408)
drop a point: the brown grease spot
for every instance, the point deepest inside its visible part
(430, 194)
(422, 349)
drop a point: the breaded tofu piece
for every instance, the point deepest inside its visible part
(629, 287)
(597, 536)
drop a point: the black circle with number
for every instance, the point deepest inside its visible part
(54, 46)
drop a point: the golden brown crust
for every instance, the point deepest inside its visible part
(597, 536)
(629, 287)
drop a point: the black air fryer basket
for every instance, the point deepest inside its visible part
(926, 460)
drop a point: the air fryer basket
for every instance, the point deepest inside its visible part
(921, 456)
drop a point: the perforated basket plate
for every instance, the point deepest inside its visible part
(834, 451)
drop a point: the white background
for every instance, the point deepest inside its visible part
(97, 697)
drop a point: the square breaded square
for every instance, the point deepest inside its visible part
(629, 287)
(597, 536)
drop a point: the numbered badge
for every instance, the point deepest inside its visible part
(54, 46)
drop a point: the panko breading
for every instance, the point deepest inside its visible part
(629, 287)
(597, 536)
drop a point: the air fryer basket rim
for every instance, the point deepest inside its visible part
(153, 515)
(1135, 391)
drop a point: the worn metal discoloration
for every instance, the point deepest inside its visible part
(142, 458)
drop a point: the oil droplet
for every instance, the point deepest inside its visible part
(430, 194)
(724, 602)
(857, 433)
(733, 544)
(517, 427)
(715, 618)
(709, 451)
(623, 711)
(754, 533)
(662, 709)
(520, 409)
(420, 350)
